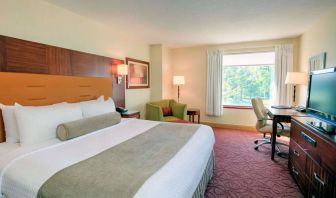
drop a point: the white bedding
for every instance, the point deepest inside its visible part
(25, 169)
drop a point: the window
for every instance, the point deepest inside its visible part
(246, 76)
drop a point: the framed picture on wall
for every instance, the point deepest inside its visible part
(317, 62)
(138, 74)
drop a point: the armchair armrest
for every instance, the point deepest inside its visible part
(179, 110)
(154, 112)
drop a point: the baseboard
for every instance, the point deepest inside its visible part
(230, 126)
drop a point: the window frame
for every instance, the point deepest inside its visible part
(237, 107)
(233, 106)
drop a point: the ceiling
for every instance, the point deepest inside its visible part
(197, 22)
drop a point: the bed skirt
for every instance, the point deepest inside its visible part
(207, 175)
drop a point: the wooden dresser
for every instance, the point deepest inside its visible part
(312, 159)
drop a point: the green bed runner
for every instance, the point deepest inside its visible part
(121, 170)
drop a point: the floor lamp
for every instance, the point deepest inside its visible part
(296, 78)
(178, 80)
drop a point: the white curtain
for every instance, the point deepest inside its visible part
(282, 93)
(214, 83)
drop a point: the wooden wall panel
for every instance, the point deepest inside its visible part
(2, 53)
(104, 66)
(59, 61)
(27, 57)
(18, 55)
(83, 64)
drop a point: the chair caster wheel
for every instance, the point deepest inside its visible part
(256, 141)
(256, 148)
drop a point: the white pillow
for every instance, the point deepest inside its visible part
(97, 108)
(12, 133)
(38, 124)
(61, 104)
(99, 99)
(8, 114)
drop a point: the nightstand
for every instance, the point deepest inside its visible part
(131, 114)
(191, 112)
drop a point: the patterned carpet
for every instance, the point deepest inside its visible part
(240, 171)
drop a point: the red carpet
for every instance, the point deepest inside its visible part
(240, 171)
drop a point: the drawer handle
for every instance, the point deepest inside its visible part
(317, 178)
(295, 171)
(309, 139)
(296, 153)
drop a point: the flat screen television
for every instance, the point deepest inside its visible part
(322, 95)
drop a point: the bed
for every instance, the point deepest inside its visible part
(32, 170)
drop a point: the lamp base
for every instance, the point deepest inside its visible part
(294, 94)
(178, 93)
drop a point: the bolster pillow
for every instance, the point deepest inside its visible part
(69, 130)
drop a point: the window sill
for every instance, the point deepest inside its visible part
(236, 107)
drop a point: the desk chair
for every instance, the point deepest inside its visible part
(264, 125)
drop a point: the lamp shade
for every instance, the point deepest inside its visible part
(122, 69)
(296, 78)
(178, 80)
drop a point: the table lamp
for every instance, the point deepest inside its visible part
(296, 78)
(178, 80)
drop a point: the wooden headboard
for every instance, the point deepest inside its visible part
(17, 55)
(40, 89)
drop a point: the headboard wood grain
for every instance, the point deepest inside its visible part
(22, 56)
(40, 89)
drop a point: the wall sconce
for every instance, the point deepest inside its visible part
(122, 70)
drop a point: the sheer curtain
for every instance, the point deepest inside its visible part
(214, 83)
(282, 94)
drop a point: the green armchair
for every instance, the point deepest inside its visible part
(154, 110)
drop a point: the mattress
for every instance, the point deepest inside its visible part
(179, 177)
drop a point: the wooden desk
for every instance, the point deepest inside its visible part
(280, 115)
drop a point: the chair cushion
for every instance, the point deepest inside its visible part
(268, 129)
(167, 111)
(170, 118)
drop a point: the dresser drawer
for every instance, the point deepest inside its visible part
(304, 137)
(297, 154)
(318, 149)
(298, 175)
(321, 180)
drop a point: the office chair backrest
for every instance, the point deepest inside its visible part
(260, 112)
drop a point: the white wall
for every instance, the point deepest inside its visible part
(46, 23)
(156, 72)
(167, 73)
(161, 72)
(192, 63)
(321, 37)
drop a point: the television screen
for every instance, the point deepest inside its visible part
(322, 93)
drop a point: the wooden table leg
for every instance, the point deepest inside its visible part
(274, 134)
(193, 118)
(199, 121)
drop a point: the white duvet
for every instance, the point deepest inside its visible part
(23, 170)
